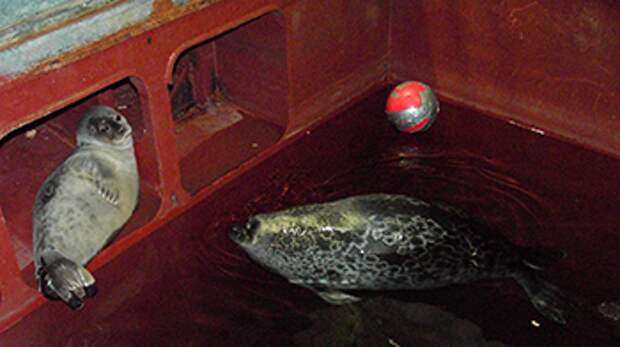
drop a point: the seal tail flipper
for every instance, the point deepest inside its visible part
(539, 258)
(336, 297)
(61, 278)
(546, 298)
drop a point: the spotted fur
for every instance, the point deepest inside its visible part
(386, 242)
(82, 204)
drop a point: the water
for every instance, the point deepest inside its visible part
(535, 190)
(189, 285)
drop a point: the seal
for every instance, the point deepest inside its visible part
(82, 204)
(392, 242)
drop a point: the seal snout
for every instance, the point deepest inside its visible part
(244, 233)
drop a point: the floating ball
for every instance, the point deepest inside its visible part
(412, 107)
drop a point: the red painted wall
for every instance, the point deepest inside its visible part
(554, 65)
(544, 64)
(285, 64)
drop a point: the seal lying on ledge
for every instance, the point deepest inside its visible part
(391, 242)
(82, 205)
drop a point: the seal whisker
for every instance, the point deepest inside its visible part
(390, 242)
(72, 208)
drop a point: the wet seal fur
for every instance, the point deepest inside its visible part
(392, 242)
(82, 204)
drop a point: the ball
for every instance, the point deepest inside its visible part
(412, 107)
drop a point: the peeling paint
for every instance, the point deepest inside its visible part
(23, 17)
(21, 58)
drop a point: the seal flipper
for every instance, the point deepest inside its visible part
(332, 296)
(96, 173)
(546, 298)
(61, 278)
(539, 258)
(336, 297)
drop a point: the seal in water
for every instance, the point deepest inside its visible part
(389, 242)
(82, 205)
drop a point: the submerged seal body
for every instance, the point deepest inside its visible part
(388, 242)
(82, 204)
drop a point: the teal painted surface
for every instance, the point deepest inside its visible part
(23, 17)
(12, 11)
(21, 58)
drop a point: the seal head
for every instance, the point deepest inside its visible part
(102, 125)
(82, 204)
(388, 242)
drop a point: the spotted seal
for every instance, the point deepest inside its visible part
(389, 242)
(82, 204)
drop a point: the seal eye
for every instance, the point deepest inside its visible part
(117, 118)
(252, 224)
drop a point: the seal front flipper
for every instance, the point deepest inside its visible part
(61, 278)
(108, 192)
(336, 297)
(546, 298)
(332, 296)
(539, 258)
(93, 171)
(83, 204)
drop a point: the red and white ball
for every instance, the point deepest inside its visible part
(412, 107)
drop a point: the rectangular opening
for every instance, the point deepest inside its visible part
(29, 154)
(229, 99)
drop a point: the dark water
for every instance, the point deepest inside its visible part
(189, 285)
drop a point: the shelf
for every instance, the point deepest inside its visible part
(229, 99)
(29, 154)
